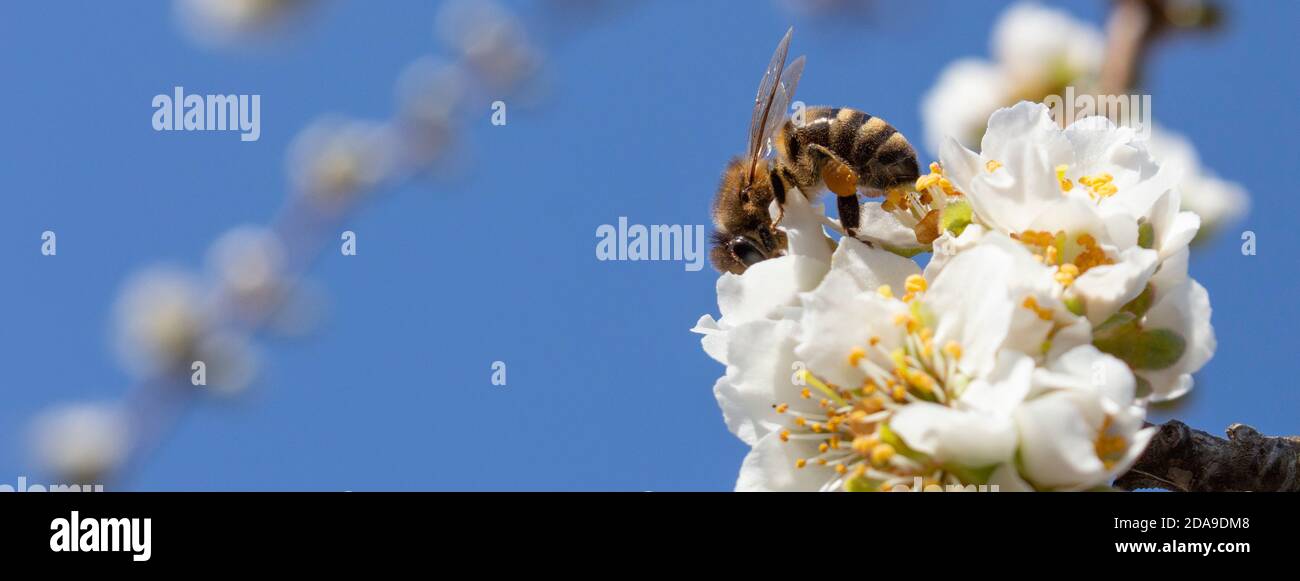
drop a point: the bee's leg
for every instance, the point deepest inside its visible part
(849, 214)
(843, 182)
(778, 191)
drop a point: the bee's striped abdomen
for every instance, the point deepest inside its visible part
(879, 154)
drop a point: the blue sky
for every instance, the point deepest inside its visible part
(607, 388)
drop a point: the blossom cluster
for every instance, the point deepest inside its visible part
(1055, 305)
(1037, 52)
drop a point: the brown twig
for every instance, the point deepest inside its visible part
(1129, 31)
(1186, 460)
(1134, 25)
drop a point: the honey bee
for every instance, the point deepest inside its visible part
(835, 148)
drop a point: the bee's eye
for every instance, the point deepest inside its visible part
(746, 252)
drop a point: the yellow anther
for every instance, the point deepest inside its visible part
(920, 380)
(1092, 254)
(805, 393)
(915, 283)
(1107, 447)
(906, 320)
(924, 182)
(1100, 185)
(947, 187)
(1070, 269)
(823, 447)
(992, 165)
(885, 291)
(780, 409)
(856, 355)
(1050, 255)
(894, 200)
(870, 405)
(899, 358)
(874, 340)
(1032, 304)
(881, 454)
(900, 394)
(936, 168)
(800, 463)
(863, 444)
(785, 435)
(952, 349)
(1061, 179)
(841, 469)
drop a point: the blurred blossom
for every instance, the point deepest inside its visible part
(231, 363)
(160, 317)
(1215, 200)
(227, 21)
(82, 442)
(429, 93)
(491, 40)
(1042, 49)
(333, 161)
(959, 104)
(1037, 52)
(248, 263)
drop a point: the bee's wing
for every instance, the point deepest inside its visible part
(767, 90)
(781, 103)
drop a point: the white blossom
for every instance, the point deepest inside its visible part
(335, 161)
(1081, 427)
(1037, 51)
(851, 386)
(160, 318)
(226, 21)
(81, 442)
(1091, 202)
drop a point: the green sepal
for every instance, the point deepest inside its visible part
(1140, 305)
(1122, 336)
(1146, 235)
(955, 218)
(970, 475)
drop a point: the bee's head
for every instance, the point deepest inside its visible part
(744, 234)
(736, 253)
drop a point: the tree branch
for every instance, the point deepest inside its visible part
(1182, 459)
